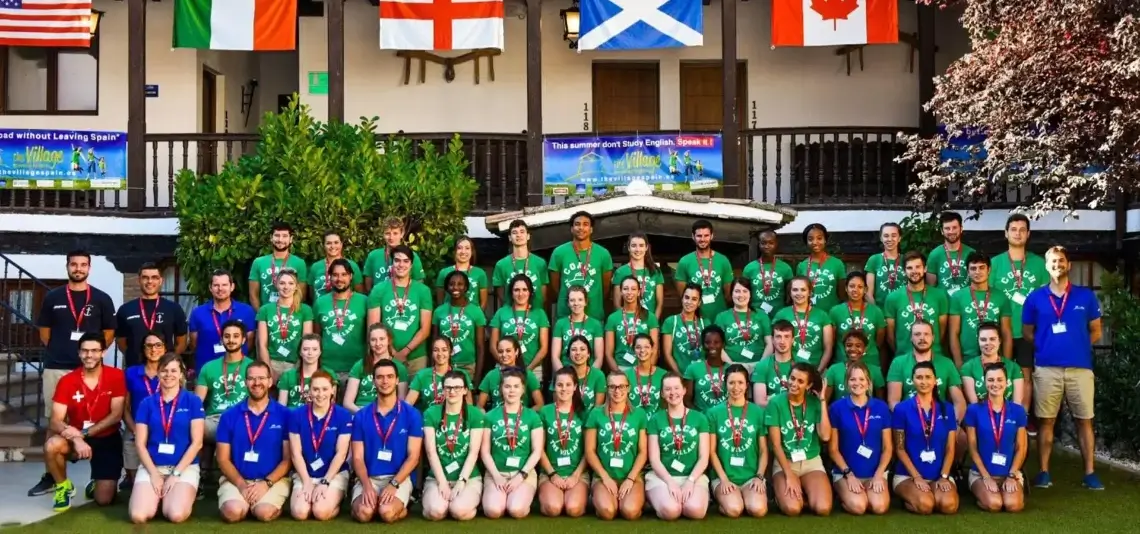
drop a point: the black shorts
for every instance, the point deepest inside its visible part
(1023, 352)
(106, 457)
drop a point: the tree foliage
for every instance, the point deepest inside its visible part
(319, 176)
(1055, 88)
(1118, 371)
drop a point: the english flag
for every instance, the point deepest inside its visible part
(441, 24)
(834, 22)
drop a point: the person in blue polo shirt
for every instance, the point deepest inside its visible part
(169, 429)
(925, 429)
(253, 452)
(997, 441)
(1063, 322)
(860, 445)
(205, 322)
(319, 438)
(386, 440)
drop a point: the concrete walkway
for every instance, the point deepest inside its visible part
(16, 508)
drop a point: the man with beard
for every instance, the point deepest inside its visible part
(386, 439)
(974, 306)
(340, 317)
(947, 262)
(378, 264)
(149, 313)
(707, 269)
(404, 305)
(206, 320)
(581, 262)
(320, 282)
(949, 381)
(916, 302)
(221, 384)
(253, 452)
(263, 272)
(66, 314)
(87, 407)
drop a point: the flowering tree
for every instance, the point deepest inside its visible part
(1052, 90)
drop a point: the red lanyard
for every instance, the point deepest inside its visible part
(168, 422)
(984, 309)
(616, 430)
(745, 328)
(583, 267)
(714, 381)
(862, 427)
(563, 433)
(318, 439)
(955, 264)
(520, 326)
(856, 323)
(629, 328)
(643, 392)
(927, 431)
(512, 436)
(226, 381)
(77, 313)
(260, 426)
(401, 302)
(283, 321)
(437, 393)
(690, 330)
(273, 268)
(454, 318)
(776, 370)
(706, 274)
(918, 311)
(526, 264)
(328, 273)
(737, 426)
(391, 426)
(1064, 300)
(767, 276)
(142, 314)
(146, 383)
(577, 331)
(802, 324)
(1018, 274)
(799, 428)
(678, 431)
(893, 274)
(214, 314)
(820, 264)
(453, 439)
(343, 311)
(998, 427)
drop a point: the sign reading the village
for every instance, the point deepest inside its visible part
(62, 159)
(579, 166)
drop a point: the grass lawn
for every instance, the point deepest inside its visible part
(1066, 507)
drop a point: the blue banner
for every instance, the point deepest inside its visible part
(62, 159)
(578, 166)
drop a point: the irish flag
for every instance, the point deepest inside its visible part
(236, 24)
(834, 22)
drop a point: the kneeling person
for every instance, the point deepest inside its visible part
(386, 440)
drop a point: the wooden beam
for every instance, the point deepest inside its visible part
(335, 20)
(136, 105)
(534, 102)
(730, 129)
(927, 123)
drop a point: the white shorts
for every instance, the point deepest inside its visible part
(531, 480)
(652, 481)
(899, 479)
(192, 475)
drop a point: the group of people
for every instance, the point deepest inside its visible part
(378, 386)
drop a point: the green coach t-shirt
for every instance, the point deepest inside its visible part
(266, 267)
(342, 330)
(711, 274)
(1016, 280)
(400, 309)
(582, 268)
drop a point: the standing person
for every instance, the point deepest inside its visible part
(462, 322)
(87, 408)
(67, 313)
(521, 262)
(770, 376)
(946, 262)
(815, 335)
(973, 371)
(1063, 322)
(581, 262)
(646, 375)
(206, 320)
(591, 381)
(511, 451)
(748, 336)
(824, 271)
(142, 382)
(281, 324)
(625, 323)
(477, 283)
(453, 438)
(925, 428)
(707, 269)
(885, 269)
(490, 388)
(916, 302)
(253, 452)
(798, 475)
(577, 323)
(320, 433)
(320, 281)
(995, 431)
(340, 317)
(740, 455)
(294, 388)
(858, 315)
(769, 276)
(861, 447)
(378, 264)
(678, 447)
(681, 333)
(427, 387)
(404, 305)
(149, 313)
(975, 305)
(855, 343)
(528, 324)
(222, 382)
(704, 381)
(616, 452)
(900, 386)
(263, 272)
(169, 431)
(564, 485)
(360, 390)
(387, 436)
(648, 274)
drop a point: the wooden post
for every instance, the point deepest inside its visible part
(534, 103)
(334, 16)
(927, 123)
(136, 106)
(730, 130)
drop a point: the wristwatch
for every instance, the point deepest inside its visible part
(393, 483)
(846, 471)
(323, 482)
(175, 473)
(945, 476)
(84, 433)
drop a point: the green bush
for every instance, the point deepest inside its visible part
(920, 232)
(1118, 371)
(318, 176)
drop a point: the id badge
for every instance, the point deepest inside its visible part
(745, 353)
(617, 462)
(384, 456)
(250, 456)
(1018, 299)
(953, 290)
(803, 354)
(864, 451)
(765, 307)
(514, 461)
(563, 461)
(677, 466)
(219, 348)
(522, 349)
(998, 459)
(927, 456)
(338, 339)
(736, 461)
(456, 349)
(1059, 328)
(273, 298)
(166, 448)
(799, 455)
(316, 464)
(88, 424)
(283, 350)
(451, 467)
(628, 358)
(76, 335)
(401, 326)
(708, 299)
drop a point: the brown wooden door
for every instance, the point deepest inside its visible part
(702, 95)
(208, 151)
(627, 97)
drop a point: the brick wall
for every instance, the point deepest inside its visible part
(131, 290)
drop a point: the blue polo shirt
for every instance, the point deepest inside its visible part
(137, 383)
(843, 414)
(210, 335)
(906, 418)
(1071, 348)
(339, 422)
(978, 416)
(405, 422)
(186, 407)
(232, 430)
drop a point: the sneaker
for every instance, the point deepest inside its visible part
(125, 484)
(1043, 480)
(201, 493)
(64, 491)
(45, 486)
(1091, 481)
(88, 491)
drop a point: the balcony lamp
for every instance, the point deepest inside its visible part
(96, 16)
(571, 19)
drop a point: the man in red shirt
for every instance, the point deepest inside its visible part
(87, 408)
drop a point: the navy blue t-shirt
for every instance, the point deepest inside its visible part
(96, 314)
(846, 418)
(207, 323)
(1067, 346)
(135, 318)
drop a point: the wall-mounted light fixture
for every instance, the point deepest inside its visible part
(571, 23)
(96, 16)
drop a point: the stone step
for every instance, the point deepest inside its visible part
(22, 435)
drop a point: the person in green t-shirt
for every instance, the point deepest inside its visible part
(1017, 272)
(340, 317)
(855, 342)
(521, 261)
(508, 351)
(577, 323)
(646, 376)
(642, 267)
(462, 322)
(676, 484)
(281, 324)
(453, 440)
(858, 315)
(293, 387)
(797, 422)
(680, 334)
(563, 486)
(918, 301)
(221, 382)
(591, 380)
(740, 455)
(885, 270)
(581, 262)
(748, 335)
(704, 380)
(974, 371)
(426, 389)
(263, 272)
(900, 384)
(320, 283)
(769, 276)
(360, 390)
(378, 265)
(511, 452)
(616, 445)
(710, 271)
(826, 272)
(404, 305)
(770, 376)
(946, 265)
(525, 322)
(815, 335)
(477, 282)
(624, 324)
(971, 307)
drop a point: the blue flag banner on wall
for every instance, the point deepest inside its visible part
(62, 159)
(640, 24)
(580, 166)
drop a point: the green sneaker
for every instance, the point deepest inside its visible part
(88, 491)
(63, 493)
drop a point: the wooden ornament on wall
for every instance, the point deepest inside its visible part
(448, 63)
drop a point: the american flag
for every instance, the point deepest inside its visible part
(48, 23)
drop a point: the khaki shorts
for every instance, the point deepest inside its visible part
(279, 368)
(976, 476)
(192, 475)
(586, 477)
(275, 497)
(899, 479)
(338, 482)
(211, 425)
(430, 485)
(836, 477)
(1074, 385)
(531, 479)
(51, 378)
(652, 481)
(801, 468)
(417, 365)
(130, 453)
(403, 492)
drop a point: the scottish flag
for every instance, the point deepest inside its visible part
(640, 24)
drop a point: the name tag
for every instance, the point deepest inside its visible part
(166, 448)
(617, 462)
(384, 456)
(745, 353)
(273, 297)
(736, 461)
(677, 466)
(219, 348)
(1018, 298)
(338, 339)
(522, 349)
(563, 461)
(998, 459)
(952, 290)
(316, 464)
(864, 451)
(251, 456)
(401, 326)
(451, 467)
(628, 358)
(708, 299)
(76, 335)
(88, 424)
(927, 456)
(513, 461)
(456, 349)
(283, 350)
(803, 354)
(1059, 328)
(765, 307)
(799, 455)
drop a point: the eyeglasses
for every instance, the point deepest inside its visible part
(257, 379)
(454, 388)
(617, 387)
(158, 345)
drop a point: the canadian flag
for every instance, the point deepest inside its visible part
(441, 24)
(834, 22)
